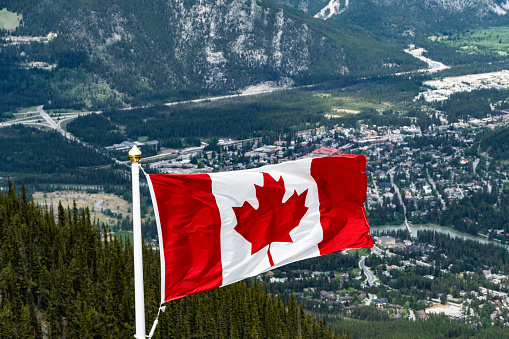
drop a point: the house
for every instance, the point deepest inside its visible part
(344, 299)
(422, 315)
(325, 152)
(327, 295)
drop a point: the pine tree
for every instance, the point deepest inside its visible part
(80, 287)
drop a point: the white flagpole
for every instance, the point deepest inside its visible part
(139, 298)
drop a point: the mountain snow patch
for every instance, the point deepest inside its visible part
(215, 57)
(498, 10)
(276, 40)
(480, 5)
(332, 8)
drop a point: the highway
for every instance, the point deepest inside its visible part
(49, 122)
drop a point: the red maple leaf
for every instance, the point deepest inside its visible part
(273, 220)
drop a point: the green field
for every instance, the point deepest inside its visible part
(478, 41)
(27, 109)
(360, 251)
(390, 93)
(343, 104)
(9, 20)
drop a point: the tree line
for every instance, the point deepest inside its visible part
(184, 125)
(60, 277)
(39, 158)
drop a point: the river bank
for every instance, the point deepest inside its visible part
(437, 228)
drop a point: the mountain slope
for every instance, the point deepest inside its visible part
(132, 49)
(411, 17)
(66, 279)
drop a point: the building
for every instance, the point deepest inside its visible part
(386, 241)
(451, 310)
(325, 152)
(127, 145)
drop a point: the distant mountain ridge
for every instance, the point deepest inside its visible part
(408, 17)
(134, 48)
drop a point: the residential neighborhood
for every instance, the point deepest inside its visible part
(409, 182)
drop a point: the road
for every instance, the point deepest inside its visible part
(421, 263)
(243, 94)
(433, 66)
(50, 121)
(475, 163)
(33, 120)
(370, 277)
(375, 189)
(432, 182)
(376, 250)
(396, 189)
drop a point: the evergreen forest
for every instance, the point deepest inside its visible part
(60, 279)
(41, 157)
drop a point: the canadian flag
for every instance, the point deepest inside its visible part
(216, 229)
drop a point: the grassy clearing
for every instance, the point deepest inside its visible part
(361, 251)
(90, 200)
(27, 109)
(9, 20)
(392, 93)
(356, 271)
(478, 41)
(44, 128)
(123, 234)
(353, 105)
(343, 104)
(62, 111)
(65, 123)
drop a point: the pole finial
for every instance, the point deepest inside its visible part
(134, 154)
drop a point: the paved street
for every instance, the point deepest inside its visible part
(34, 118)
(370, 277)
(432, 182)
(396, 189)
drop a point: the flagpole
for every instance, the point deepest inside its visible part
(139, 298)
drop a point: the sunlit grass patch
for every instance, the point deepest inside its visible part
(478, 41)
(9, 20)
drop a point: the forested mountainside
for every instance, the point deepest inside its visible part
(58, 279)
(408, 18)
(106, 52)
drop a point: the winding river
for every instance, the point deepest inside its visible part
(444, 230)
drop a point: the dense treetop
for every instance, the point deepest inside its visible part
(59, 279)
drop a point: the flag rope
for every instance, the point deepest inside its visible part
(146, 175)
(161, 307)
